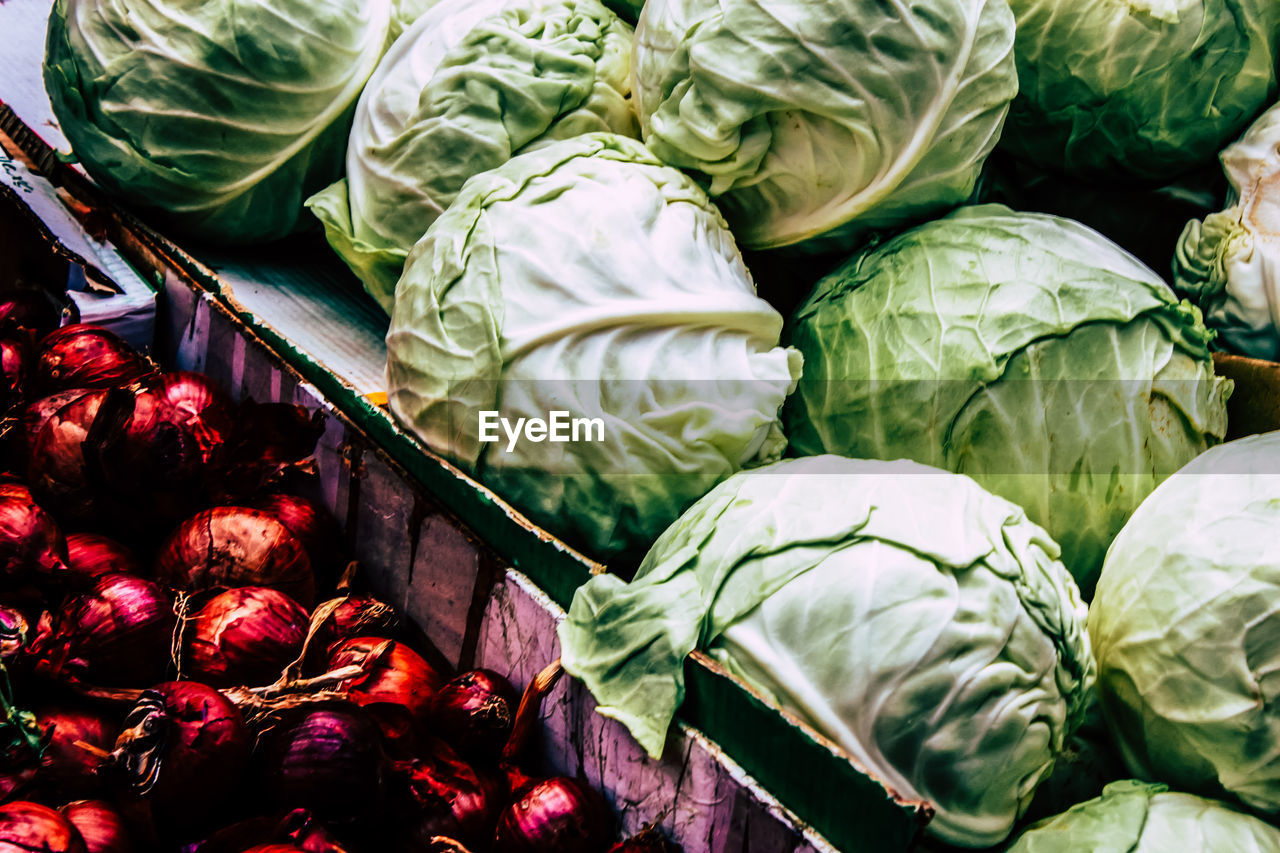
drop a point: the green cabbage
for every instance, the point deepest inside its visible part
(467, 87)
(217, 117)
(921, 623)
(1138, 88)
(587, 277)
(1134, 817)
(817, 122)
(1022, 349)
(1186, 624)
(1229, 262)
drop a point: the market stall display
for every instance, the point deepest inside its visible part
(907, 632)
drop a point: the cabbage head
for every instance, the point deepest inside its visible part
(1139, 89)
(1229, 262)
(218, 118)
(815, 123)
(1186, 624)
(1024, 350)
(1136, 817)
(922, 624)
(467, 87)
(587, 277)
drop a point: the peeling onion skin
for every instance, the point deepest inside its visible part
(31, 542)
(91, 555)
(231, 546)
(27, 826)
(396, 688)
(244, 636)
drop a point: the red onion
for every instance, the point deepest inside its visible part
(647, 840)
(230, 546)
(205, 409)
(100, 825)
(183, 749)
(474, 712)
(117, 634)
(245, 635)
(355, 616)
(90, 555)
(396, 686)
(14, 489)
(67, 769)
(326, 759)
(15, 364)
(275, 848)
(452, 797)
(86, 356)
(558, 815)
(140, 454)
(267, 441)
(26, 826)
(56, 470)
(315, 528)
(31, 543)
(15, 630)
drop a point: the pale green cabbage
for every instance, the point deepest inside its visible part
(1135, 817)
(921, 623)
(1025, 350)
(217, 118)
(587, 277)
(1138, 88)
(817, 122)
(1229, 262)
(1187, 627)
(467, 87)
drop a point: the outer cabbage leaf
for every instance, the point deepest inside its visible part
(218, 118)
(1187, 628)
(1135, 817)
(1229, 262)
(816, 123)
(1022, 349)
(1141, 88)
(920, 622)
(467, 87)
(589, 278)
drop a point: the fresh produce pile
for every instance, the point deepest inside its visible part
(185, 664)
(951, 487)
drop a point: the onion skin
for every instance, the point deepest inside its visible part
(101, 826)
(452, 797)
(27, 826)
(245, 635)
(315, 528)
(475, 712)
(328, 760)
(91, 555)
(268, 441)
(33, 311)
(397, 685)
(203, 407)
(117, 634)
(36, 414)
(275, 848)
(302, 830)
(231, 546)
(15, 364)
(56, 470)
(15, 631)
(354, 616)
(557, 815)
(67, 770)
(183, 749)
(31, 542)
(86, 356)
